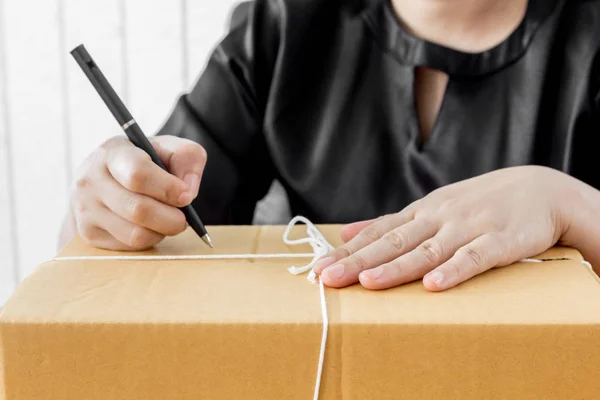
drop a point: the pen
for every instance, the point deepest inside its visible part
(130, 127)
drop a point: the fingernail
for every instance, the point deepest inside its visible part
(185, 198)
(193, 182)
(373, 274)
(436, 277)
(323, 263)
(335, 272)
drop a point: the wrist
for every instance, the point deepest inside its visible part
(67, 231)
(580, 219)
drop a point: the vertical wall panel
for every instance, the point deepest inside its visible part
(36, 126)
(7, 229)
(207, 23)
(51, 119)
(98, 26)
(154, 59)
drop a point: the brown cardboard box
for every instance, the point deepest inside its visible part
(237, 329)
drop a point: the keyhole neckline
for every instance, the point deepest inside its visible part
(425, 137)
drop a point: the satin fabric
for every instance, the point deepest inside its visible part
(319, 95)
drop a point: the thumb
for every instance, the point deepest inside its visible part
(183, 158)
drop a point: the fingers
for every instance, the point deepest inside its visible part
(124, 201)
(141, 210)
(391, 245)
(132, 236)
(416, 263)
(184, 158)
(366, 236)
(116, 233)
(98, 237)
(135, 171)
(483, 253)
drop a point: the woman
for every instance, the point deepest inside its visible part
(469, 124)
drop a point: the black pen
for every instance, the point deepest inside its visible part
(130, 127)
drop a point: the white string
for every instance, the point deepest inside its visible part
(186, 257)
(537, 260)
(314, 238)
(320, 247)
(323, 340)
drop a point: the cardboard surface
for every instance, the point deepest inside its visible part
(247, 329)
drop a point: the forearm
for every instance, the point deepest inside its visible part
(582, 216)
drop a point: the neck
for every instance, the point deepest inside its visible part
(465, 25)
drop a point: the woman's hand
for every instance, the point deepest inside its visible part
(121, 200)
(457, 231)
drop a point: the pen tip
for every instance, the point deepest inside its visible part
(207, 240)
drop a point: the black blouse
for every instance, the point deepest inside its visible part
(319, 95)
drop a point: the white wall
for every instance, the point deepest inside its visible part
(50, 119)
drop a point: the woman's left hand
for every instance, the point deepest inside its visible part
(456, 232)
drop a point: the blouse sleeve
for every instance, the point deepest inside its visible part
(223, 112)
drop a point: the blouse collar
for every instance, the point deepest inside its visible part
(414, 51)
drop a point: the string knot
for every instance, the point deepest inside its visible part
(314, 238)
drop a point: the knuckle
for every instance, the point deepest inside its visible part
(449, 206)
(87, 232)
(434, 220)
(171, 193)
(432, 251)
(503, 247)
(371, 233)
(414, 206)
(80, 208)
(138, 212)
(175, 226)
(342, 252)
(497, 224)
(358, 261)
(136, 177)
(139, 238)
(396, 266)
(396, 239)
(191, 151)
(381, 217)
(82, 182)
(476, 257)
(436, 196)
(177, 229)
(411, 211)
(489, 220)
(139, 163)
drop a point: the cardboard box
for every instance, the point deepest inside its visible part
(237, 329)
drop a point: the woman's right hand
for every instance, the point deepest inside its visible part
(121, 200)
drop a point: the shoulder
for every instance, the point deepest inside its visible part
(576, 43)
(590, 7)
(301, 9)
(264, 25)
(295, 10)
(579, 22)
(289, 15)
(263, 31)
